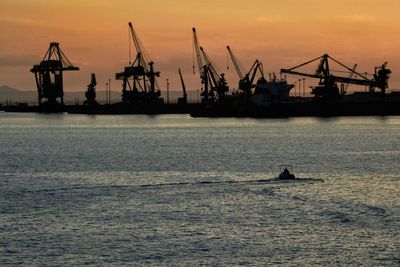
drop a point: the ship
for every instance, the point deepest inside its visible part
(271, 91)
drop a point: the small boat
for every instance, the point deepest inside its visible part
(286, 175)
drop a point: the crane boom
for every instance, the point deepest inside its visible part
(235, 63)
(333, 77)
(183, 84)
(141, 55)
(257, 65)
(134, 38)
(211, 67)
(198, 53)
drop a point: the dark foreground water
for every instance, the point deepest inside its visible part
(172, 190)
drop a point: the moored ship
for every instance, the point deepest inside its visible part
(271, 91)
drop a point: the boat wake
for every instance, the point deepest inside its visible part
(200, 183)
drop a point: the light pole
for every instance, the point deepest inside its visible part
(167, 91)
(106, 93)
(299, 87)
(304, 87)
(109, 91)
(198, 96)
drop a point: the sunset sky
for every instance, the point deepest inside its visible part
(94, 36)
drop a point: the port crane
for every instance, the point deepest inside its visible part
(182, 100)
(49, 75)
(90, 94)
(205, 92)
(213, 84)
(217, 81)
(246, 82)
(139, 78)
(327, 87)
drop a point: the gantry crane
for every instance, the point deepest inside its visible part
(328, 88)
(139, 78)
(182, 100)
(213, 84)
(49, 75)
(246, 82)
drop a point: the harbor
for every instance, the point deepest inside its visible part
(255, 96)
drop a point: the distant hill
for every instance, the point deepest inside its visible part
(19, 96)
(9, 94)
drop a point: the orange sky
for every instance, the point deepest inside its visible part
(94, 35)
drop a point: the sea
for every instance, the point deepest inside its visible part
(171, 190)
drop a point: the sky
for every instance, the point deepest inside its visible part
(94, 36)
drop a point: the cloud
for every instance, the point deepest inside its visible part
(18, 60)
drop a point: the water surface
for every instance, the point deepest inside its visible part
(174, 190)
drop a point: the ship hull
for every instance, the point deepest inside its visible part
(269, 92)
